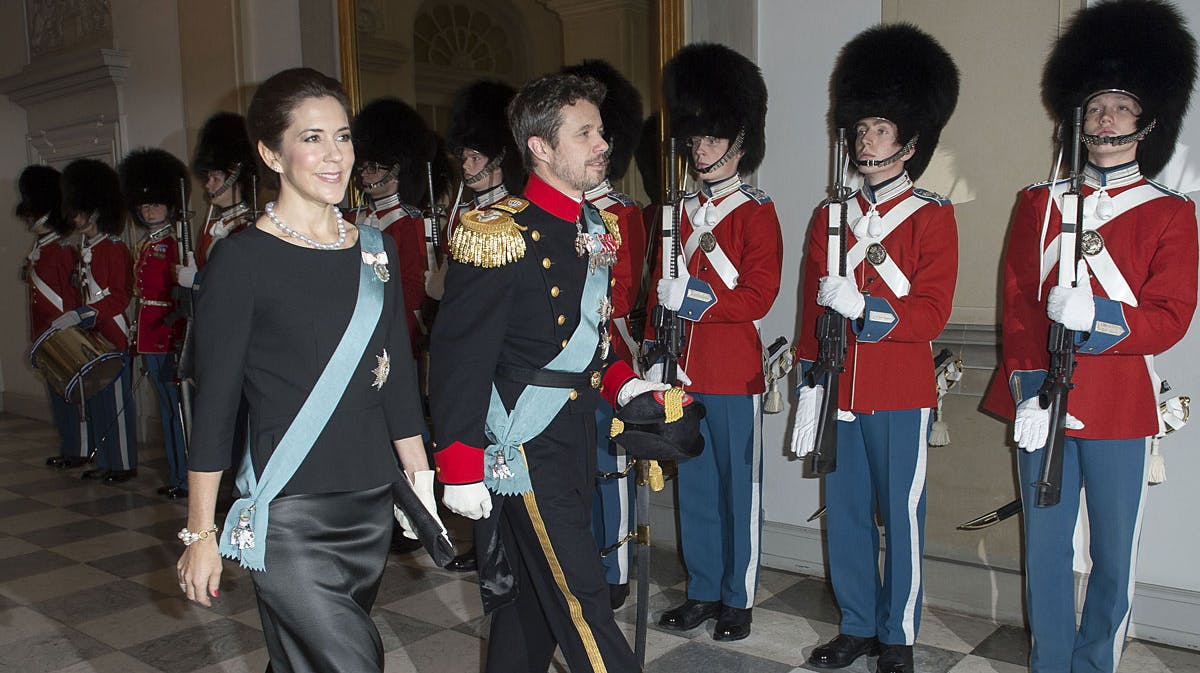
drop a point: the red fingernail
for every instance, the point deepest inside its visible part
(216, 593)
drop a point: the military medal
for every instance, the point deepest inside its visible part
(242, 537)
(383, 367)
(605, 310)
(1091, 242)
(500, 468)
(708, 242)
(876, 253)
(378, 262)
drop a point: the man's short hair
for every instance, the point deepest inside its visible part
(536, 110)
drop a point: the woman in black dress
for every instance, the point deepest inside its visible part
(272, 307)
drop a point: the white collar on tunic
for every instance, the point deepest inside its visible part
(886, 190)
(1111, 177)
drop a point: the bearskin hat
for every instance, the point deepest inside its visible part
(901, 74)
(712, 90)
(479, 121)
(152, 175)
(389, 132)
(647, 158)
(40, 192)
(1141, 47)
(224, 145)
(91, 186)
(621, 112)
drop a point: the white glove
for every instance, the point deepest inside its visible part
(845, 416)
(841, 294)
(186, 273)
(634, 387)
(422, 485)
(1074, 307)
(655, 373)
(1032, 425)
(473, 501)
(68, 319)
(435, 282)
(808, 405)
(671, 291)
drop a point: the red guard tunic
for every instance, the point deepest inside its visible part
(627, 272)
(226, 223)
(1153, 247)
(108, 285)
(48, 271)
(407, 228)
(723, 353)
(889, 363)
(154, 277)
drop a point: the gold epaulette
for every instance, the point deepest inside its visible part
(510, 204)
(487, 238)
(610, 223)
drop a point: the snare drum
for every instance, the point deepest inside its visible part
(76, 361)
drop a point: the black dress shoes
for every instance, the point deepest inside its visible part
(617, 593)
(118, 476)
(842, 651)
(175, 493)
(66, 462)
(464, 563)
(688, 616)
(895, 659)
(98, 473)
(733, 623)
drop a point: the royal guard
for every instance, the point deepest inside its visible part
(480, 140)
(392, 146)
(154, 182)
(520, 357)
(93, 203)
(48, 270)
(224, 162)
(612, 507)
(1130, 66)
(894, 88)
(728, 276)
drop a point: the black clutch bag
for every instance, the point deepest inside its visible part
(428, 530)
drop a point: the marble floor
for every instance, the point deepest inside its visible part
(87, 583)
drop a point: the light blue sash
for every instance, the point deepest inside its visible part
(249, 513)
(538, 405)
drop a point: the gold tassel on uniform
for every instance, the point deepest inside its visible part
(610, 223)
(673, 404)
(487, 238)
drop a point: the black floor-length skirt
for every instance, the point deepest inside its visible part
(325, 557)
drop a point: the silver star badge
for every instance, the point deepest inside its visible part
(382, 369)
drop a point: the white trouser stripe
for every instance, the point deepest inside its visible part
(915, 491)
(119, 407)
(1118, 644)
(755, 500)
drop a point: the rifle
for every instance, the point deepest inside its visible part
(831, 327)
(184, 309)
(1054, 390)
(668, 326)
(433, 248)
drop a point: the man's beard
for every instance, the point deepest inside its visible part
(579, 179)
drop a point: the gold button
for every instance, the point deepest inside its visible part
(535, 235)
(554, 291)
(574, 394)
(545, 262)
(561, 318)
(563, 344)
(612, 282)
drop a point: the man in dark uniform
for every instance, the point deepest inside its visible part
(520, 357)
(612, 511)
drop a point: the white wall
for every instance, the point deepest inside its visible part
(148, 32)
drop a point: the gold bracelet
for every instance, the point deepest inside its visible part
(188, 537)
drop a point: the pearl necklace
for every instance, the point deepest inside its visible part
(341, 227)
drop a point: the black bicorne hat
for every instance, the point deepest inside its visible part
(40, 192)
(642, 429)
(389, 132)
(479, 121)
(1140, 47)
(91, 186)
(712, 90)
(621, 112)
(899, 73)
(224, 145)
(152, 175)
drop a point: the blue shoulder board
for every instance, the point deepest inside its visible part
(620, 198)
(760, 197)
(932, 197)
(411, 211)
(1043, 185)
(1167, 190)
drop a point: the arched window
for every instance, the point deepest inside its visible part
(462, 37)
